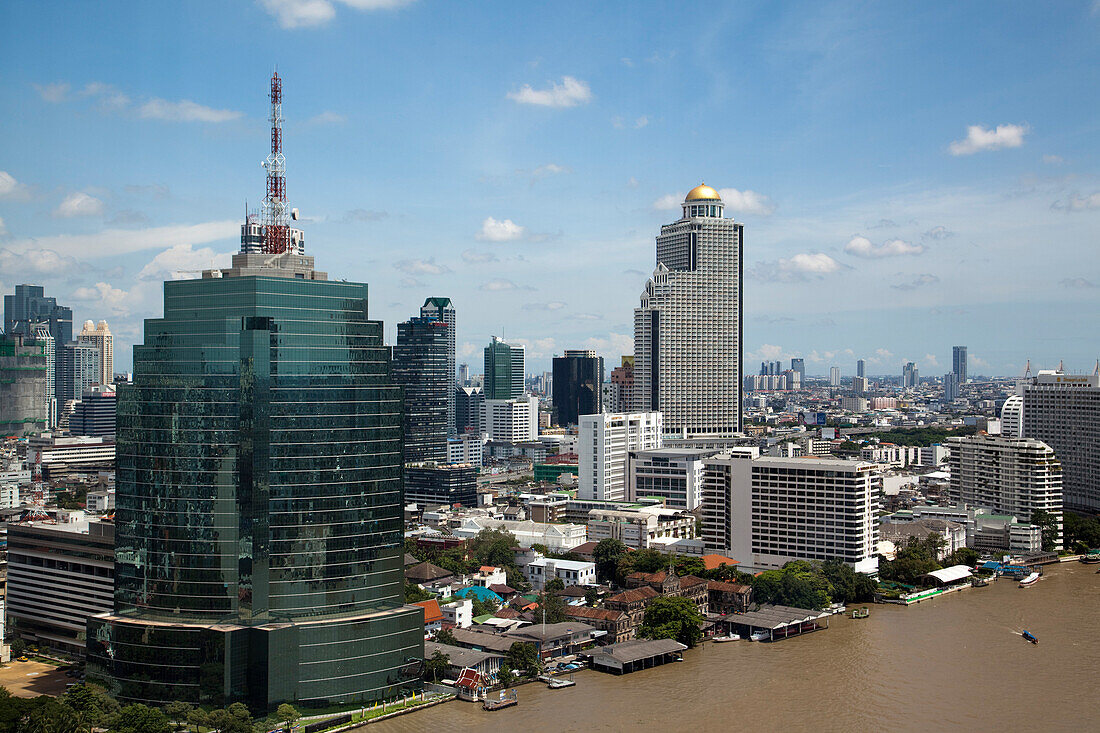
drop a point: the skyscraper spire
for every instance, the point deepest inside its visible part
(276, 210)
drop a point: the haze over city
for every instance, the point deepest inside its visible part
(908, 179)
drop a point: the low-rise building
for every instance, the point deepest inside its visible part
(571, 572)
(458, 613)
(433, 616)
(440, 483)
(641, 527)
(725, 598)
(556, 537)
(673, 474)
(615, 624)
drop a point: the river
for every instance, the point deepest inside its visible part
(951, 662)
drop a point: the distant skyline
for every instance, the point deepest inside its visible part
(910, 178)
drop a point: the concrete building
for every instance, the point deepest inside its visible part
(1015, 476)
(457, 614)
(859, 386)
(470, 410)
(673, 474)
(603, 442)
(834, 376)
(620, 390)
(799, 365)
(43, 336)
(441, 309)
(504, 370)
(577, 386)
(556, 537)
(29, 306)
(59, 576)
(432, 483)
(910, 375)
(23, 385)
(99, 336)
(95, 414)
(641, 527)
(951, 387)
(958, 364)
(466, 448)
(512, 421)
(861, 369)
(78, 371)
(1063, 411)
(688, 326)
(1012, 417)
(541, 571)
(59, 454)
(767, 511)
(853, 404)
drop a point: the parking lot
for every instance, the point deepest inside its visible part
(31, 679)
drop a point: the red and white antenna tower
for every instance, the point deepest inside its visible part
(276, 210)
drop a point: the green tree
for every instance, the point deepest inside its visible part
(234, 719)
(91, 702)
(798, 584)
(690, 566)
(177, 712)
(436, 665)
(607, 555)
(1048, 524)
(672, 617)
(555, 584)
(1081, 533)
(199, 718)
(916, 558)
(493, 547)
(505, 674)
(138, 718)
(482, 607)
(554, 607)
(444, 636)
(962, 556)
(288, 714)
(591, 596)
(414, 593)
(523, 656)
(646, 560)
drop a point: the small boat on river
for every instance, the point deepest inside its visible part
(556, 683)
(1029, 580)
(861, 612)
(507, 699)
(727, 637)
(1028, 636)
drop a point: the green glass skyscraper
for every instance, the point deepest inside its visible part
(503, 370)
(259, 502)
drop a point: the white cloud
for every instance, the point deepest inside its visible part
(54, 93)
(300, 13)
(42, 262)
(1077, 283)
(613, 344)
(553, 305)
(882, 356)
(3, 228)
(111, 242)
(498, 285)
(863, 247)
(569, 93)
(978, 138)
(918, 281)
(931, 360)
(78, 204)
(499, 230)
(421, 267)
(105, 297)
(746, 202)
(550, 169)
(180, 262)
(185, 111)
(469, 349)
(107, 94)
(796, 268)
(641, 122)
(586, 317)
(938, 233)
(1053, 159)
(668, 202)
(377, 4)
(327, 118)
(1078, 203)
(9, 187)
(474, 257)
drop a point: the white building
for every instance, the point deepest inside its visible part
(674, 474)
(512, 421)
(853, 404)
(556, 537)
(1063, 411)
(99, 335)
(466, 448)
(767, 511)
(687, 328)
(641, 527)
(459, 614)
(1012, 417)
(572, 572)
(834, 376)
(488, 575)
(603, 442)
(1012, 476)
(934, 455)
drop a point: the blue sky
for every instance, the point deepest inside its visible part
(909, 178)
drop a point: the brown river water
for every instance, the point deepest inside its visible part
(955, 662)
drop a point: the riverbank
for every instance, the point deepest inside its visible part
(950, 662)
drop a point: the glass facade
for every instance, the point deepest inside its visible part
(420, 365)
(259, 502)
(577, 387)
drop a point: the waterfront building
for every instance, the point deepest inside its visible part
(958, 363)
(432, 483)
(29, 306)
(1063, 411)
(603, 442)
(910, 375)
(577, 386)
(470, 410)
(259, 502)
(672, 474)
(23, 385)
(834, 376)
(95, 414)
(420, 366)
(641, 527)
(99, 336)
(1017, 476)
(441, 309)
(767, 511)
(688, 326)
(504, 375)
(60, 574)
(511, 421)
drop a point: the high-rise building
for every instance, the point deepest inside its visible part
(603, 442)
(23, 405)
(79, 371)
(621, 387)
(799, 365)
(95, 413)
(259, 506)
(769, 510)
(958, 363)
(688, 326)
(463, 376)
(43, 336)
(577, 385)
(442, 310)
(673, 474)
(950, 386)
(834, 376)
(1017, 476)
(1012, 417)
(910, 375)
(859, 386)
(99, 336)
(436, 483)
(470, 409)
(504, 370)
(1063, 411)
(29, 306)
(512, 421)
(420, 366)
(861, 367)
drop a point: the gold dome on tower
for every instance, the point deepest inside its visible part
(703, 192)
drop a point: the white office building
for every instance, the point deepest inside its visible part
(541, 571)
(1012, 417)
(640, 527)
(1011, 476)
(512, 421)
(603, 442)
(687, 328)
(466, 448)
(769, 510)
(1063, 411)
(673, 474)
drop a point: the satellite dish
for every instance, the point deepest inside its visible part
(294, 214)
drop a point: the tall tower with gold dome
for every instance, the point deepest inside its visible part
(688, 326)
(99, 335)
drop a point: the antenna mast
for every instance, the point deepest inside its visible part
(276, 211)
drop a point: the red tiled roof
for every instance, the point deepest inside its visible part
(657, 577)
(468, 678)
(637, 594)
(507, 613)
(502, 590)
(690, 581)
(601, 614)
(487, 569)
(711, 562)
(432, 613)
(727, 587)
